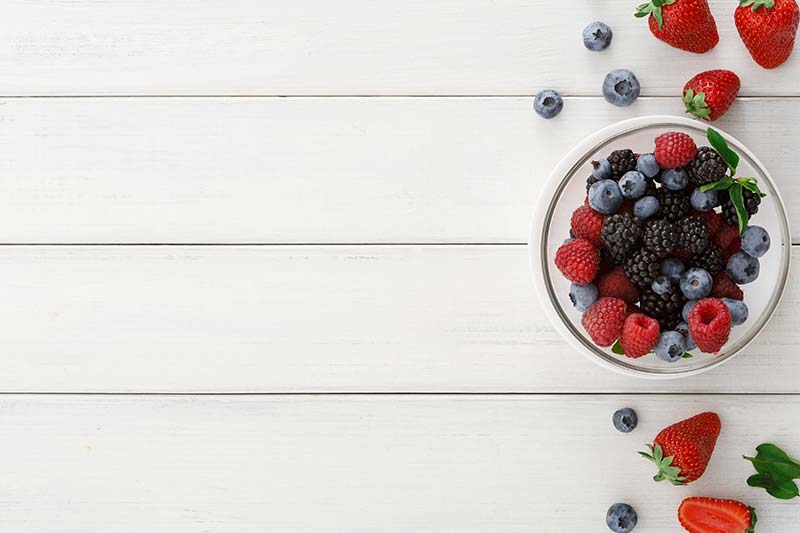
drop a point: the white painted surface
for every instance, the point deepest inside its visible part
(349, 47)
(344, 463)
(310, 170)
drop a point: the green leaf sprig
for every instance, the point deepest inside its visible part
(776, 472)
(735, 186)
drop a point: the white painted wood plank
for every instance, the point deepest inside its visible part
(315, 47)
(327, 170)
(288, 319)
(389, 464)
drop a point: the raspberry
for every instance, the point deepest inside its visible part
(639, 335)
(603, 320)
(734, 247)
(578, 261)
(674, 149)
(710, 324)
(616, 284)
(713, 221)
(724, 287)
(587, 224)
(725, 236)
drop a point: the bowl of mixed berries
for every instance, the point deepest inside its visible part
(660, 247)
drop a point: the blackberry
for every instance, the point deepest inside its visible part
(751, 203)
(660, 237)
(622, 161)
(620, 234)
(674, 204)
(712, 260)
(666, 308)
(694, 237)
(706, 167)
(642, 268)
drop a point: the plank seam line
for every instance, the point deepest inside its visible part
(351, 96)
(396, 394)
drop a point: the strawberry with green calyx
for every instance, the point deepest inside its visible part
(681, 452)
(704, 515)
(685, 24)
(709, 94)
(776, 472)
(734, 186)
(768, 29)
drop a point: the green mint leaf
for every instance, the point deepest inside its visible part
(687, 355)
(773, 461)
(785, 490)
(737, 198)
(719, 143)
(617, 349)
(750, 184)
(719, 185)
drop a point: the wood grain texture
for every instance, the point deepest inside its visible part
(389, 464)
(328, 170)
(318, 319)
(317, 47)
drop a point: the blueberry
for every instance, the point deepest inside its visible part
(582, 296)
(548, 104)
(621, 87)
(670, 347)
(601, 170)
(605, 196)
(687, 308)
(704, 201)
(597, 36)
(675, 179)
(683, 329)
(621, 518)
(673, 269)
(625, 420)
(743, 268)
(633, 184)
(755, 241)
(646, 164)
(568, 240)
(696, 283)
(661, 285)
(738, 309)
(645, 207)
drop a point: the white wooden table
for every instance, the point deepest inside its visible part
(263, 269)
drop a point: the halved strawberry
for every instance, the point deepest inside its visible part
(709, 515)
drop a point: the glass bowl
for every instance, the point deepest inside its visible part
(565, 191)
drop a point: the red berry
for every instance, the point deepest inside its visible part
(578, 261)
(604, 319)
(710, 324)
(709, 94)
(701, 515)
(674, 149)
(729, 240)
(768, 30)
(685, 24)
(587, 224)
(616, 284)
(713, 221)
(682, 451)
(639, 335)
(724, 287)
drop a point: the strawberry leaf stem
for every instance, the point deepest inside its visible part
(769, 4)
(653, 8)
(664, 464)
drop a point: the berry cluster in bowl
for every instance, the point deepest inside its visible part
(660, 249)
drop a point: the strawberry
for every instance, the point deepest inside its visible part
(768, 29)
(682, 451)
(705, 515)
(709, 94)
(685, 24)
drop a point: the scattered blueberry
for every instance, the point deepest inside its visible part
(646, 164)
(597, 36)
(755, 241)
(621, 88)
(673, 269)
(661, 285)
(696, 283)
(621, 518)
(670, 347)
(625, 420)
(583, 296)
(645, 207)
(687, 308)
(548, 104)
(633, 184)
(675, 179)
(605, 196)
(738, 309)
(601, 170)
(683, 329)
(568, 240)
(743, 268)
(704, 201)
